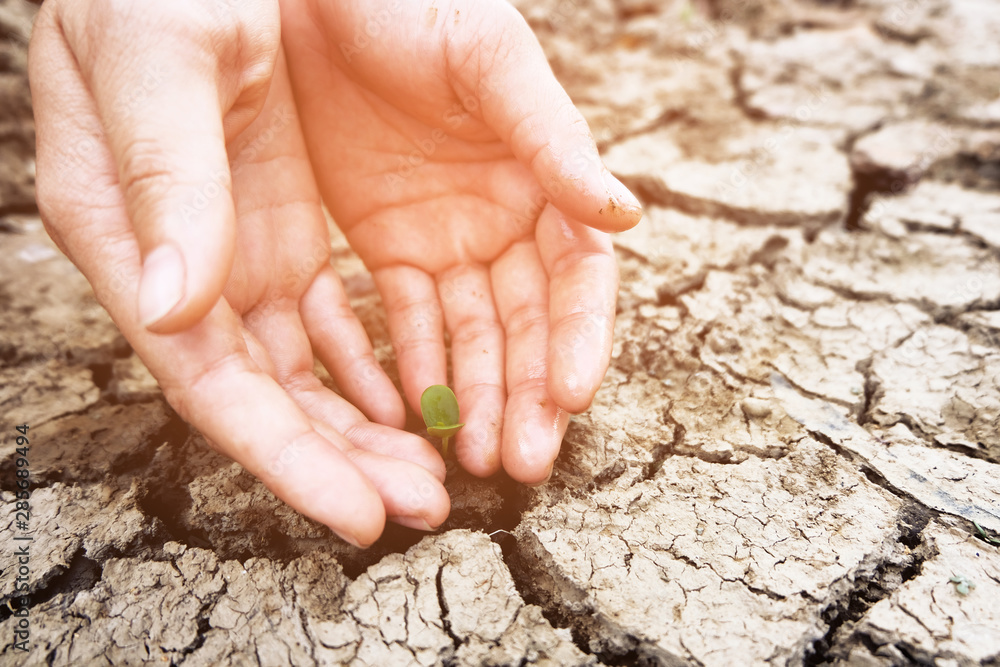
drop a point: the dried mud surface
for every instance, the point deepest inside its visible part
(783, 467)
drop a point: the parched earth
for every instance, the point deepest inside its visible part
(794, 458)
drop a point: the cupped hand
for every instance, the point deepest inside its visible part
(172, 169)
(470, 185)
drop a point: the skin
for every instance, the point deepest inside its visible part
(173, 170)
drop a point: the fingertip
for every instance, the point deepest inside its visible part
(429, 521)
(569, 394)
(363, 540)
(479, 466)
(342, 344)
(162, 285)
(351, 540)
(313, 476)
(530, 475)
(394, 417)
(477, 446)
(432, 512)
(406, 490)
(416, 523)
(531, 442)
(599, 200)
(427, 457)
(578, 357)
(573, 382)
(395, 414)
(364, 524)
(436, 467)
(439, 512)
(548, 133)
(540, 482)
(622, 210)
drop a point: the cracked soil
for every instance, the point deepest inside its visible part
(799, 427)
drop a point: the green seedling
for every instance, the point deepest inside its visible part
(962, 584)
(984, 536)
(440, 411)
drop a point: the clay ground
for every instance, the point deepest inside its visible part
(783, 466)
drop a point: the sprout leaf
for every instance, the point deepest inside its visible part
(439, 407)
(440, 411)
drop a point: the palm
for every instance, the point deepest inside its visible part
(464, 203)
(423, 165)
(410, 159)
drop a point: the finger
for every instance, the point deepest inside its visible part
(534, 424)
(74, 167)
(258, 354)
(412, 496)
(280, 331)
(276, 197)
(256, 423)
(208, 377)
(415, 327)
(477, 354)
(525, 104)
(388, 441)
(162, 81)
(583, 289)
(343, 346)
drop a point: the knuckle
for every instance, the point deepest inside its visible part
(190, 391)
(341, 312)
(414, 345)
(419, 313)
(474, 329)
(526, 317)
(532, 383)
(146, 173)
(247, 38)
(255, 84)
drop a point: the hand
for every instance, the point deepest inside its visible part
(470, 185)
(171, 169)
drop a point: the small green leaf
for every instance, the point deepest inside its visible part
(984, 536)
(962, 584)
(440, 409)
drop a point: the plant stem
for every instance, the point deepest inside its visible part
(444, 446)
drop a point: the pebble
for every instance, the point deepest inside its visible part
(756, 408)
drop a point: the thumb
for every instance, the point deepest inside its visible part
(162, 88)
(174, 174)
(525, 104)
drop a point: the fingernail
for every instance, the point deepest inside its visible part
(543, 482)
(161, 287)
(619, 195)
(413, 522)
(350, 540)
